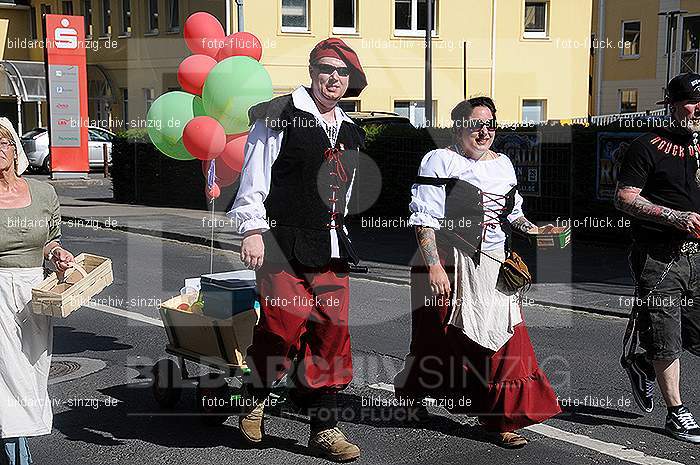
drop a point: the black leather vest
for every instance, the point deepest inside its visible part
(310, 181)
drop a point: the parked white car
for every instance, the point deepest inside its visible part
(36, 146)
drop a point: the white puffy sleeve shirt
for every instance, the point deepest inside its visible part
(495, 176)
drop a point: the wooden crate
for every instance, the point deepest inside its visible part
(92, 275)
(214, 341)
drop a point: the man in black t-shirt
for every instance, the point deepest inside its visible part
(659, 187)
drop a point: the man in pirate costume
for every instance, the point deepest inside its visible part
(659, 187)
(300, 163)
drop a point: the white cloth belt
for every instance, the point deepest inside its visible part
(25, 357)
(483, 313)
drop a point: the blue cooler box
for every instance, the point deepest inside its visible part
(227, 294)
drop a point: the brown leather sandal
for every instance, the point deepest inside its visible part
(511, 440)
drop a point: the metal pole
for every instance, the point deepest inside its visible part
(670, 31)
(239, 3)
(429, 64)
(105, 159)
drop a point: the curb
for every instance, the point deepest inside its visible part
(197, 240)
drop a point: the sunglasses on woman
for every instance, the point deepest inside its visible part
(343, 71)
(479, 124)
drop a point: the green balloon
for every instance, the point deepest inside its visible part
(167, 118)
(232, 87)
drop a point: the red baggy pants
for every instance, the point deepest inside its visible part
(304, 313)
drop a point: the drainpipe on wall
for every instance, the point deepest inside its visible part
(239, 13)
(599, 58)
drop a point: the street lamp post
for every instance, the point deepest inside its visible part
(429, 64)
(671, 23)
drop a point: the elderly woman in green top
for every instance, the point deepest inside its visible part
(29, 233)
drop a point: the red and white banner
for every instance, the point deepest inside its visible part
(66, 80)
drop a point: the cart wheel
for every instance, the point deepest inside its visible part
(213, 400)
(166, 382)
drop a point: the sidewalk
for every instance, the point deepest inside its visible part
(585, 276)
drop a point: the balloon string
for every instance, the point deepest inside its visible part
(211, 243)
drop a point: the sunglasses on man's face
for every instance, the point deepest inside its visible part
(343, 71)
(479, 124)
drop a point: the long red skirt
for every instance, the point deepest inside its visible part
(506, 389)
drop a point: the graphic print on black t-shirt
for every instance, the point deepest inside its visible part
(663, 164)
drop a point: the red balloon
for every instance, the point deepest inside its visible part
(193, 71)
(240, 44)
(234, 153)
(214, 192)
(225, 175)
(204, 137)
(203, 34)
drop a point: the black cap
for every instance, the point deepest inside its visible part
(683, 87)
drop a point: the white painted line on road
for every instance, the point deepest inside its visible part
(606, 448)
(124, 313)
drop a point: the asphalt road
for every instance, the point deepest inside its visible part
(110, 416)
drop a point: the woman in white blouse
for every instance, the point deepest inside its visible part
(470, 347)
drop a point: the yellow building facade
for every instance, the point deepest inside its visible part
(526, 54)
(480, 47)
(632, 62)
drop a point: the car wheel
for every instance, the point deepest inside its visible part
(46, 166)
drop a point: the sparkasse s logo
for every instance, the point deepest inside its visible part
(66, 37)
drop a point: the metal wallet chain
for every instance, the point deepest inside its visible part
(631, 331)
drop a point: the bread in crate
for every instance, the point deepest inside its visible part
(91, 275)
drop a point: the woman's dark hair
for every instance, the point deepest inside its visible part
(465, 108)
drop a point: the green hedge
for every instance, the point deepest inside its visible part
(143, 175)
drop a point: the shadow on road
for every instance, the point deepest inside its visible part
(69, 341)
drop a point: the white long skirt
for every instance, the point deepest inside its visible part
(25, 357)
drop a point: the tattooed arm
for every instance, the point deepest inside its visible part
(629, 200)
(439, 281)
(522, 224)
(427, 245)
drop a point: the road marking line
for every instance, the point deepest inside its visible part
(124, 313)
(606, 448)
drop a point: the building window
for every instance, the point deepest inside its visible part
(630, 38)
(173, 19)
(148, 96)
(349, 105)
(690, 45)
(87, 14)
(628, 101)
(32, 23)
(152, 19)
(410, 18)
(414, 110)
(67, 8)
(536, 19)
(345, 16)
(174, 16)
(534, 111)
(106, 19)
(126, 17)
(295, 15)
(125, 107)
